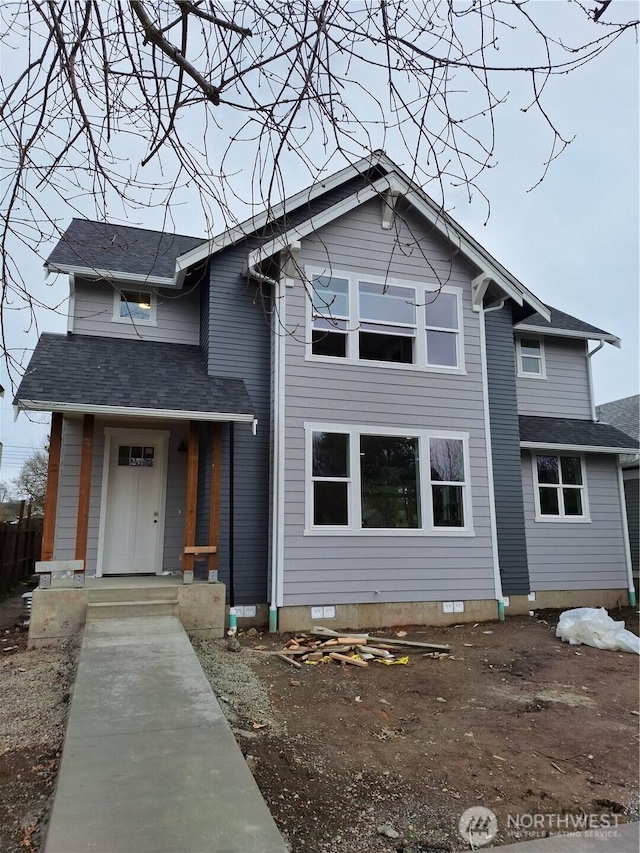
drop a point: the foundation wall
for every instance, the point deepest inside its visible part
(389, 615)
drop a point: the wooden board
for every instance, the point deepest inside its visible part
(191, 496)
(216, 487)
(200, 549)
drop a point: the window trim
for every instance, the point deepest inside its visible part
(353, 327)
(561, 518)
(522, 374)
(354, 503)
(130, 321)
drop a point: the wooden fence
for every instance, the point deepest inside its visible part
(19, 548)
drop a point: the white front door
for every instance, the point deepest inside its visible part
(133, 523)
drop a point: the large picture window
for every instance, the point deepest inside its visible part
(389, 482)
(402, 323)
(560, 486)
(368, 479)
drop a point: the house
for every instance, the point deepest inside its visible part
(343, 409)
(625, 415)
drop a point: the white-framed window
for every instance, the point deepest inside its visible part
(366, 319)
(134, 305)
(560, 487)
(530, 358)
(369, 480)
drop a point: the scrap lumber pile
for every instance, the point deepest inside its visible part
(323, 645)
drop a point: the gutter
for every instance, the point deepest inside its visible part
(132, 412)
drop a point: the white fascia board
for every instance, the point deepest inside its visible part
(567, 333)
(433, 214)
(314, 223)
(232, 235)
(130, 411)
(113, 275)
(581, 448)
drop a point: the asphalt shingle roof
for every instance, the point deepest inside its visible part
(120, 248)
(102, 371)
(625, 415)
(565, 322)
(572, 431)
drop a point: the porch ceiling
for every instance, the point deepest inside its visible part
(85, 373)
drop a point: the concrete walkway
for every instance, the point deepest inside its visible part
(150, 764)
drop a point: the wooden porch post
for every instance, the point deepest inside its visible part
(192, 500)
(214, 508)
(51, 495)
(84, 489)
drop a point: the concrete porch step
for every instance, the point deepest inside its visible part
(143, 592)
(126, 609)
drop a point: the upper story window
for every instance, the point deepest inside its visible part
(368, 480)
(530, 355)
(361, 319)
(560, 488)
(134, 306)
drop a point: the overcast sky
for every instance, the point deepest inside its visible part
(573, 240)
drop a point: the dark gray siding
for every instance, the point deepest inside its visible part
(633, 515)
(505, 449)
(239, 347)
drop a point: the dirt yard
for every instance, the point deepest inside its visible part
(513, 720)
(34, 699)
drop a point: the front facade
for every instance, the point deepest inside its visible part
(349, 411)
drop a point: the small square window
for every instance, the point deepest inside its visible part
(135, 306)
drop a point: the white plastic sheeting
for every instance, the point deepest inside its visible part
(594, 627)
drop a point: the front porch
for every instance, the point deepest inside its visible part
(62, 609)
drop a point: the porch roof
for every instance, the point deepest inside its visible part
(574, 434)
(86, 373)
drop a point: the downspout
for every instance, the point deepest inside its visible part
(487, 428)
(231, 515)
(278, 445)
(625, 535)
(590, 355)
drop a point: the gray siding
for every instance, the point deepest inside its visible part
(565, 391)
(353, 569)
(239, 347)
(591, 555)
(633, 515)
(505, 445)
(178, 314)
(66, 517)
